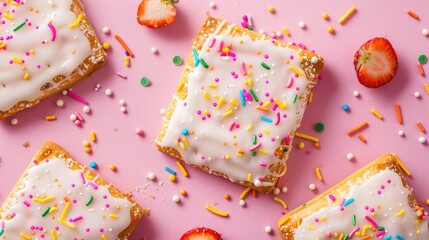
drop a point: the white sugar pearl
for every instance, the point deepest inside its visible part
(261, 31)
(64, 92)
(122, 102)
(425, 32)
(242, 203)
(422, 139)
(401, 133)
(175, 198)
(212, 4)
(257, 183)
(350, 156)
(106, 30)
(154, 50)
(312, 187)
(268, 229)
(276, 191)
(162, 111)
(417, 94)
(151, 176)
(73, 117)
(356, 94)
(123, 109)
(108, 92)
(284, 189)
(51, 3)
(314, 59)
(14, 121)
(86, 109)
(279, 34)
(301, 25)
(59, 103)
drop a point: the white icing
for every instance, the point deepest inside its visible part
(206, 146)
(59, 57)
(54, 178)
(392, 199)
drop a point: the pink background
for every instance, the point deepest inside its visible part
(136, 156)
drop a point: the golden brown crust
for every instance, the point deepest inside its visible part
(84, 70)
(288, 224)
(50, 150)
(208, 27)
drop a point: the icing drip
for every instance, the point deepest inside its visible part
(380, 203)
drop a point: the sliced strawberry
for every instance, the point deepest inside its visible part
(201, 234)
(156, 13)
(375, 62)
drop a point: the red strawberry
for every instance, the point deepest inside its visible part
(156, 13)
(201, 234)
(375, 62)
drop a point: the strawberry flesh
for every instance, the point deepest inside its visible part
(375, 62)
(201, 234)
(156, 13)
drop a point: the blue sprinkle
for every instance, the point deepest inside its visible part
(170, 170)
(348, 202)
(185, 131)
(243, 101)
(346, 107)
(93, 164)
(398, 236)
(197, 59)
(387, 237)
(127, 54)
(263, 118)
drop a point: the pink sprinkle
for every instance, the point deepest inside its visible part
(82, 177)
(231, 126)
(301, 45)
(26, 203)
(287, 139)
(254, 147)
(342, 202)
(139, 131)
(54, 32)
(76, 219)
(121, 75)
(212, 42)
(78, 122)
(329, 234)
(263, 164)
(93, 185)
(2, 224)
(79, 116)
(76, 97)
(352, 233)
(220, 46)
(243, 68)
(371, 221)
(380, 233)
(332, 197)
(278, 118)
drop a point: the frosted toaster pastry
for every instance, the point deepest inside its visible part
(373, 203)
(45, 47)
(59, 198)
(239, 101)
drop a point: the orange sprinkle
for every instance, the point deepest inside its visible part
(413, 15)
(124, 45)
(398, 113)
(316, 145)
(254, 193)
(50, 117)
(422, 129)
(426, 88)
(66, 199)
(421, 71)
(361, 138)
(356, 129)
(278, 181)
(262, 108)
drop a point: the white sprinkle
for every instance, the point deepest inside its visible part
(356, 94)
(175, 198)
(268, 229)
(425, 32)
(59, 103)
(279, 34)
(162, 111)
(154, 50)
(422, 139)
(242, 203)
(106, 30)
(151, 176)
(73, 117)
(284, 189)
(312, 187)
(301, 25)
(401, 133)
(276, 191)
(212, 5)
(417, 94)
(86, 109)
(123, 109)
(350, 156)
(14, 121)
(51, 3)
(257, 183)
(314, 59)
(122, 102)
(261, 31)
(108, 92)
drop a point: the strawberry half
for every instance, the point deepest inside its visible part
(375, 62)
(201, 234)
(156, 13)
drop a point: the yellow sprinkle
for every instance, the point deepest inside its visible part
(418, 232)
(215, 96)
(213, 85)
(281, 105)
(112, 167)
(206, 95)
(72, 226)
(376, 113)
(263, 151)
(249, 127)
(15, 4)
(331, 29)
(300, 145)
(265, 131)
(26, 76)
(323, 218)
(319, 174)
(87, 149)
(104, 237)
(114, 216)
(182, 146)
(341, 237)
(182, 169)
(92, 136)
(76, 23)
(417, 222)
(172, 177)
(310, 97)
(225, 50)
(283, 221)
(325, 16)
(53, 209)
(64, 213)
(2, 44)
(244, 193)
(217, 212)
(234, 102)
(228, 113)
(54, 235)
(271, 9)
(403, 167)
(50, 117)
(25, 236)
(182, 192)
(400, 213)
(308, 137)
(85, 143)
(427, 88)
(17, 60)
(220, 102)
(310, 227)
(248, 82)
(249, 177)
(347, 15)
(281, 202)
(266, 104)
(185, 141)
(127, 61)
(249, 73)
(106, 45)
(43, 200)
(427, 201)
(180, 87)
(7, 16)
(295, 70)
(285, 31)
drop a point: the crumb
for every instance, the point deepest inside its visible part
(26, 144)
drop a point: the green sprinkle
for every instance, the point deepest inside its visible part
(89, 201)
(254, 154)
(346, 237)
(380, 228)
(265, 66)
(422, 58)
(319, 127)
(255, 139)
(254, 95)
(19, 26)
(354, 220)
(145, 81)
(177, 60)
(249, 27)
(203, 63)
(46, 212)
(285, 149)
(294, 98)
(1, 232)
